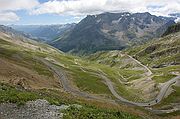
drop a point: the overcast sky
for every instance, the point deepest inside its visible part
(68, 11)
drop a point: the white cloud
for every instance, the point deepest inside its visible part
(81, 8)
(17, 4)
(84, 7)
(8, 8)
(8, 17)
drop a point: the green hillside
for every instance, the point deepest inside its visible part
(159, 53)
(32, 70)
(161, 56)
(25, 76)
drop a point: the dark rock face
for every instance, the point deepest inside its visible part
(172, 29)
(110, 31)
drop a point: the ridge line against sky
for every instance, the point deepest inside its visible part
(69, 11)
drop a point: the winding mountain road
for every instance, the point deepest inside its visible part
(67, 87)
(159, 97)
(142, 104)
(65, 83)
(149, 71)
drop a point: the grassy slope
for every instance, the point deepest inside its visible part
(118, 67)
(162, 55)
(12, 94)
(81, 73)
(95, 113)
(85, 81)
(116, 60)
(156, 52)
(24, 57)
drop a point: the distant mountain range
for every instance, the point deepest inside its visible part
(13, 32)
(109, 31)
(43, 33)
(106, 31)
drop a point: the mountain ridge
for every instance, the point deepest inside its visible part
(110, 31)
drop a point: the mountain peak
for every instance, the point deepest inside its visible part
(111, 31)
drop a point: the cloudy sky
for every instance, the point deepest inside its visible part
(68, 11)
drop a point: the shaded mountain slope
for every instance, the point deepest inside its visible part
(109, 31)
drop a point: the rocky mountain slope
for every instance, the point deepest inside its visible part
(44, 33)
(109, 31)
(172, 29)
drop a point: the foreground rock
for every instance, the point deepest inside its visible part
(39, 109)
